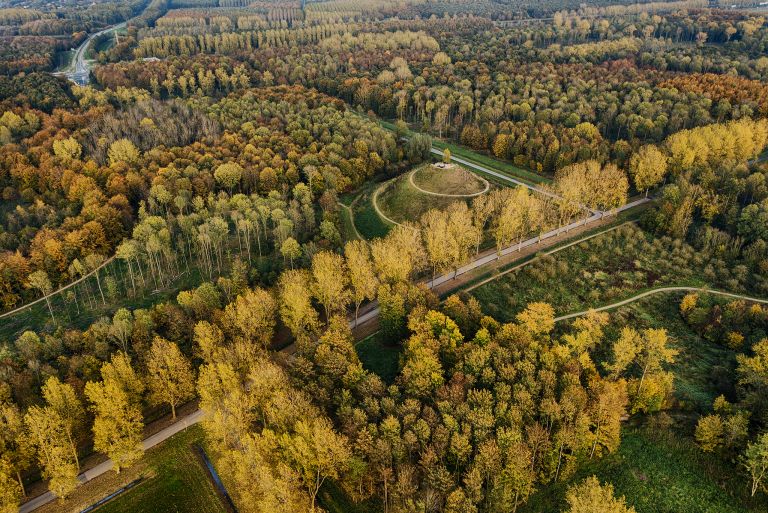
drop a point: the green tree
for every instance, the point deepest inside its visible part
(755, 460)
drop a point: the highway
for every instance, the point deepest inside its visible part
(79, 70)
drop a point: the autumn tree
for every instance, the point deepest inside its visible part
(54, 453)
(317, 452)
(66, 410)
(170, 377)
(589, 496)
(330, 283)
(11, 491)
(228, 175)
(16, 449)
(296, 309)
(362, 279)
(755, 461)
(252, 316)
(648, 166)
(118, 423)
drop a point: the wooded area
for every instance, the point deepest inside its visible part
(196, 224)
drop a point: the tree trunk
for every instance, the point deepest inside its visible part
(48, 302)
(98, 282)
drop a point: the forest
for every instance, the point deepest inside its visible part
(384, 256)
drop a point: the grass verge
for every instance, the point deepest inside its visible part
(174, 481)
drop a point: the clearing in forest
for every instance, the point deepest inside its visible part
(411, 195)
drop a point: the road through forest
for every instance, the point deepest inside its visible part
(481, 260)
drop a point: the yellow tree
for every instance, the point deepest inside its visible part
(590, 496)
(252, 316)
(330, 281)
(117, 426)
(647, 167)
(296, 309)
(538, 318)
(462, 233)
(362, 279)
(54, 454)
(11, 491)
(15, 446)
(399, 254)
(437, 240)
(317, 452)
(118, 422)
(63, 405)
(119, 369)
(171, 380)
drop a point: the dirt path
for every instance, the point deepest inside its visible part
(662, 290)
(60, 290)
(375, 202)
(351, 215)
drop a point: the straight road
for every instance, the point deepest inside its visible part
(104, 467)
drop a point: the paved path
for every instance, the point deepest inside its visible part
(660, 291)
(79, 69)
(105, 466)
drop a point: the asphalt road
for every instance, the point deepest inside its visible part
(79, 69)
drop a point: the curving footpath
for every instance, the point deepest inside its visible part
(660, 291)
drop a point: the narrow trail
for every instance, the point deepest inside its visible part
(59, 290)
(661, 290)
(351, 215)
(375, 202)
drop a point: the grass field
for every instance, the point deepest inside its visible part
(379, 358)
(179, 482)
(368, 222)
(660, 472)
(401, 201)
(348, 231)
(609, 267)
(174, 480)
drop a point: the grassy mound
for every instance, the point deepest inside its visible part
(400, 201)
(451, 180)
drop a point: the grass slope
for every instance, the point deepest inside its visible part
(368, 222)
(179, 482)
(451, 180)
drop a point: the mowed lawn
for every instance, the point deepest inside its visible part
(401, 201)
(451, 180)
(178, 481)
